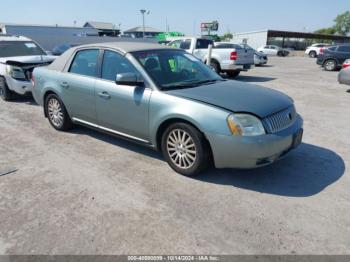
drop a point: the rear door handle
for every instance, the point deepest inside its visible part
(104, 95)
(64, 84)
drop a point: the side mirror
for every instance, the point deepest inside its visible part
(129, 79)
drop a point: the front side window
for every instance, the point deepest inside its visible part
(175, 69)
(113, 64)
(19, 48)
(85, 63)
(186, 44)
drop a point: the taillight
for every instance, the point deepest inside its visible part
(346, 65)
(233, 56)
(322, 50)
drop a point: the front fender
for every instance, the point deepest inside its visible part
(207, 118)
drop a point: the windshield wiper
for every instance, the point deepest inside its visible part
(191, 84)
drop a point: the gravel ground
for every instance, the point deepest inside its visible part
(84, 192)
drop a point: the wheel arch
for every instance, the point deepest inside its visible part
(167, 122)
(45, 95)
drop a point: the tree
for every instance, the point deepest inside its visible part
(227, 36)
(342, 23)
(326, 31)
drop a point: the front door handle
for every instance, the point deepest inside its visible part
(64, 84)
(104, 95)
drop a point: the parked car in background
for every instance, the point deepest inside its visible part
(18, 57)
(168, 100)
(223, 60)
(346, 64)
(259, 58)
(60, 49)
(333, 57)
(273, 50)
(344, 74)
(314, 50)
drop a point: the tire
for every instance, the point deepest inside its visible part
(185, 149)
(233, 74)
(312, 54)
(215, 65)
(330, 65)
(57, 113)
(5, 93)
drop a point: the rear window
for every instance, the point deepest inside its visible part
(19, 48)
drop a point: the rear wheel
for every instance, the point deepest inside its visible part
(216, 67)
(5, 92)
(312, 54)
(185, 149)
(233, 74)
(330, 65)
(57, 113)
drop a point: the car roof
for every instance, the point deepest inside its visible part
(122, 47)
(126, 47)
(14, 38)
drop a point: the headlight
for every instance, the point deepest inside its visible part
(245, 125)
(16, 72)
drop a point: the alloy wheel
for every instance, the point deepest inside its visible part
(181, 148)
(330, 65)
(55, 112)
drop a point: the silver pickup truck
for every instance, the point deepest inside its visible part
(223, 60)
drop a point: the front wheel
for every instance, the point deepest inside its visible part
(233, 74)
(57, 113)
(185, 149)
(5, 92)
(215, 66)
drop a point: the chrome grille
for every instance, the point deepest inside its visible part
(280, 120)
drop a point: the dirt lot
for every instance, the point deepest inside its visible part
(84, 192)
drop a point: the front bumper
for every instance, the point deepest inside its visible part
(18, 86)
(252, 152)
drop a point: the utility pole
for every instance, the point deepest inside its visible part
(143, 12)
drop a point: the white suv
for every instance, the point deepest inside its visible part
(18, 58)
(314, 50)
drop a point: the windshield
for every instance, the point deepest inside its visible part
(19, 48)
(175, 69)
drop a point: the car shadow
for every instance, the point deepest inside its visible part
(117, 141)
(28, 99)
(304, 172)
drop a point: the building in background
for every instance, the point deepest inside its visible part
(286, 39)
(137, 32)
(103, 29)
(51, 36)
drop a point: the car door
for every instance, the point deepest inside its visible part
(78, 85)
(123, 109)
(201, 48)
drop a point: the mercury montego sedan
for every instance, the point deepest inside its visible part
(169, 100)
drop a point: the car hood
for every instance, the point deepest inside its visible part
(236, 96)
(25, 60)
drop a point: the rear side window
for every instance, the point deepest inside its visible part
(344, 48)
(113, 64)
(203, 43)
(85, 63)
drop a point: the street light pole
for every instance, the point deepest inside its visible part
(143, 12)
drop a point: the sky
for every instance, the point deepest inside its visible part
(181, 15)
